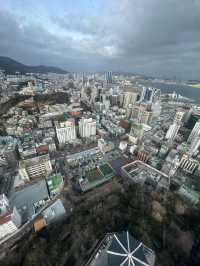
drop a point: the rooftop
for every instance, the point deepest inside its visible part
(122, 249)
(5, 217)
(54, 181)
(96, 177)
(139, 172)
(26, 199)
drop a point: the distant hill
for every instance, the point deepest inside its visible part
(11, 66)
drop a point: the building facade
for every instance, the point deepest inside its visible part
(87, 127)
(10, 219)
(195, 132)
(188, 164)
(66, 131)
(174, 128)
(36, 167)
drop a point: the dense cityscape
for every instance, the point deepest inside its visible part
(100, 133)
(93, 159)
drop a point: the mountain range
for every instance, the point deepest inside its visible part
(11, 66)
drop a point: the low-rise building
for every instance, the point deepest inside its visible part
(39, 166)
(105, 146)
(188, 164)
(10, 219)
(55, 184)
(140, 172)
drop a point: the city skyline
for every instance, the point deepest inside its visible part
(124, 36)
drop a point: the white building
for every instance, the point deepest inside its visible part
(35, 167)
(66, 131)
(179, 117)
(87, 127)
(195, 144)
(172, 132)
(9, 223)
(4, 204)
(188, 164)
(195, 132)
(10, 219)
(130, 98)
(123, 145)
(156, 108)
(174, 128)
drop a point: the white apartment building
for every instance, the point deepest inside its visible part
(66, 131)
(172, 132)
(87, 127)
(174, 128)
(129, 98)
(35, 167)
(194, 145)
(195, 132)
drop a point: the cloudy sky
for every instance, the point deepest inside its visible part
(154, 37)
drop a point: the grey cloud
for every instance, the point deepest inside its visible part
(33, 44)
(149, 36)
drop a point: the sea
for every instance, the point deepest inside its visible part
(183, 90)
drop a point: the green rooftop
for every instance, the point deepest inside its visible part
(94, 175)
(106, 170)
(54, 181)
(97, 176)
(137, 126)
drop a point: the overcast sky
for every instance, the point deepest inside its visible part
(153, 37)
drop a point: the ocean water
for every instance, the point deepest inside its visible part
(185, 91)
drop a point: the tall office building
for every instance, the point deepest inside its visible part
(143, 93)
(130, 98)
(84, 79)
(174, 128)
(115, 99)
(108, 77)
(192, 116)
(94, 94)
(66, 131)
(87, 127)
(195, 132)
(150, 95)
